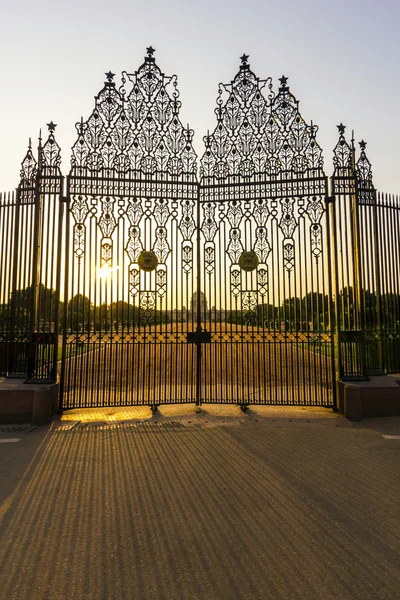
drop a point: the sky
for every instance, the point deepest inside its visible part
(341, 58)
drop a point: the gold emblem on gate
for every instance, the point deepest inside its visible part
(147, 261)
(248, 261)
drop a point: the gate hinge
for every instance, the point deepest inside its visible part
(199, 337)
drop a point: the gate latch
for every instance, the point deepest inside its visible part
(199, 337)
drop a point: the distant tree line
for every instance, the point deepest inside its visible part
(311, 312)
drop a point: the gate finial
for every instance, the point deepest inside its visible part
(150, 51)
(283, 82)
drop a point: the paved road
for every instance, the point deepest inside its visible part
(209, 506)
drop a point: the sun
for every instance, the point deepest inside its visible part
(106, 271)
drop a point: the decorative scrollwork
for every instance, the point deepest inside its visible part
(134, 281)
(235, 281)
(262, 280)
(288, 254)
(288, 222)
(316, 239)
(249, 301)
(107, 220)
(28, 168)
(147, 304)
(50, 152)
(161, 212)
(209, 257)
(235, 247)
(161, 246)
(187, 225)
(209, 225)
(134, 210)
(136, 127)
(134, 246)
(343, 154)
(234, 213)
(257, 134)
(262, 247)
(106, 253)
(187, 256)
(161, 281)
(364, 170)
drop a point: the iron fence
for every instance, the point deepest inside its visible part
(139, 280)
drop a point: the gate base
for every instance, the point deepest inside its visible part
(379, 397)
(27, 403)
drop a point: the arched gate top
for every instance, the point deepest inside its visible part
(259, 132)
(136, 127)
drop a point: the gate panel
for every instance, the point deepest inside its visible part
(266, 272)
(130, 281)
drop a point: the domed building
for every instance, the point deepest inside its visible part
(203, 306)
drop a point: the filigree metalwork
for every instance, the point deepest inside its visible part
(136, 127)
(134, 210)
(134, 281)
(161, 246)
(161, 280)
(209, 257)
(366, 190)
(209, 225)
(29, 168)
(187, 224)
(235, 247)
(134, 246)
(343, 154)
(262, 281)
(288, 222)
(147, 303)
(257, 133)
(187, 257)
(50, 152)
(262, 247)
(235, 281)
(249, 301)
(107, 220)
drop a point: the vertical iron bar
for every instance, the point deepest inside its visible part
(198, 303)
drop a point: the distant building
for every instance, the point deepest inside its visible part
(203, 306)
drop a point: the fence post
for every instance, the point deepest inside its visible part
(45, 300)
(369, 264)
(350, 317)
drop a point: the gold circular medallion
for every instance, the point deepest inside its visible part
(147, 261)
(248, 261)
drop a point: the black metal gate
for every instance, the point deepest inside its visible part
(131, 254)
(138, 281)
(265, 252)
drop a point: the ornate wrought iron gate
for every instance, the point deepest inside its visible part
(266, 262)
(136, 282)
(130, 275)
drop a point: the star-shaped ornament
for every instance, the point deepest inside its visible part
(150, 50)
(341, 128)
(110, 76)
(362, 144)
(51, 126)
(244, 58)
(283, 81)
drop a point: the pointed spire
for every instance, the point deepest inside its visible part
(343, 154)
(364, 169)
(50, 153)
(28, 167)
